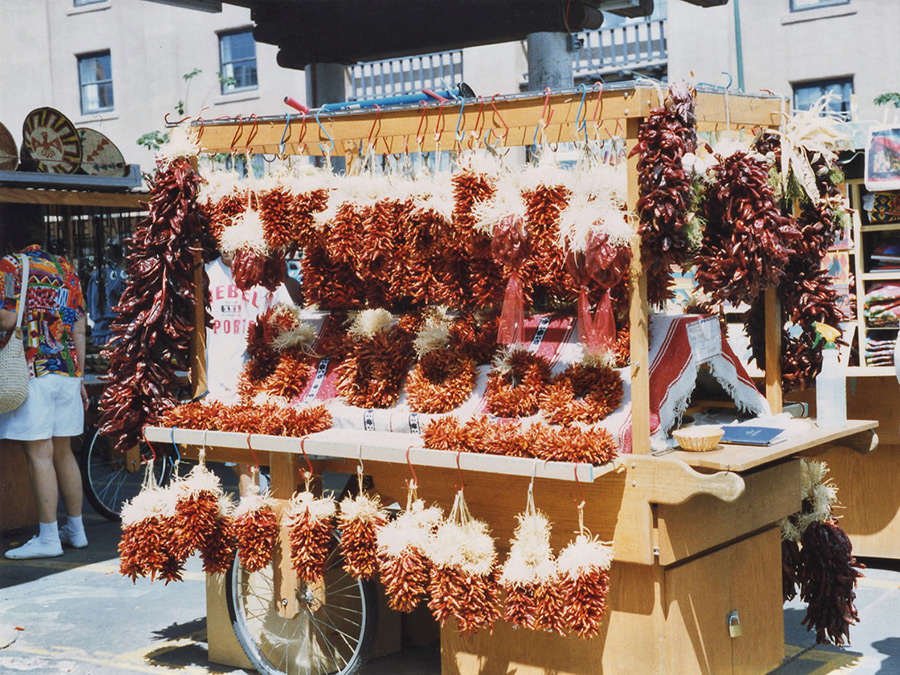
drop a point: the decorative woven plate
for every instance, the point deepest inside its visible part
(9, 154)
(99, 155)
(50, 140)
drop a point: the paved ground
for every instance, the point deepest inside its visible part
(77, 615)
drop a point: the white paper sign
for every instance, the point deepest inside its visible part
(705, 337)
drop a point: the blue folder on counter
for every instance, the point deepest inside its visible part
(749, 435)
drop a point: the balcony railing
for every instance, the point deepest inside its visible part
(390, 77)
(638, 46)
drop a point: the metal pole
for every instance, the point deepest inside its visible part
(549, 61)
(738, 44)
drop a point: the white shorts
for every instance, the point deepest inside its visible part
(53, 408)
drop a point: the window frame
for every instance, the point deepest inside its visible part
(227, 89)
(824, 83)
(85, 3)
(820, 4)
(82, 85)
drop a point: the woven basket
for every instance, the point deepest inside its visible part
(13, 374)
(700, 438)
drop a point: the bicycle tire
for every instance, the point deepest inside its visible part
(108, 483)
(308, 643)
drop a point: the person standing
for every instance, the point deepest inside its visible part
(53, 332)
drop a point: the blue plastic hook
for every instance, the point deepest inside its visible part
(330, 139)
(285, 134)
(582, 124)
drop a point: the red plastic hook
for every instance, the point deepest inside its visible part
(479, 119)
(149, 444)
(309, 472)
(237, 132)
(441, 123)
(253, 131)
(253, 453)
(546, 122)
(175, 124)
(419, 131)
(415, 481)
(500, 117)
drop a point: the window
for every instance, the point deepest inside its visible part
(82, 3)
(800, 5)
(95, 80)
(807, 93)
(237, 61)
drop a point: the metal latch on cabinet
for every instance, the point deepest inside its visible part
(734, 624)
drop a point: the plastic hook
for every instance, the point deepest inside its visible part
(460, 137)
(415, 481)
(149, 444)
(440, 124)
(285, 134)
(325, 131)
(237, 132)
(374, 124)
(252, 134)
(309, 472)
(420, 135)
(479, 122)
(462, 483)
(500, 117)
(174, 124)
(253, 453)
(578, 505)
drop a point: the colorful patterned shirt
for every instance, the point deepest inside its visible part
(54, 303)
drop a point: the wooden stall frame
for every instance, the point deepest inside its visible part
(656, 499)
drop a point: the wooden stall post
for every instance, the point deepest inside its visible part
(773, 350)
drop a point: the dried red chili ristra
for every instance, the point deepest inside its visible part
(827, 577)
(151, 332)
(665, 188)
(747, 242)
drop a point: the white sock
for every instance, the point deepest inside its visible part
(49, 532)
(75, 524)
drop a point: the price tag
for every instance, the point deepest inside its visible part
(705, 337)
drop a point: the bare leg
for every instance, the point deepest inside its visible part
(246, 479)
(39, 455)
(68, 475)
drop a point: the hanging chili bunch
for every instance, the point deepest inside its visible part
(151, 332)
(360, 518)
(818, 558)
(196, 520)
(379, 356)
(584, 581)
(218, 550)
(311, 523)
(144, 548)
(402, 563)
(529, 576)
(255, 529)
(463, 582)
(807, 294)
(545, 264)
(665, 137)
(747, 241)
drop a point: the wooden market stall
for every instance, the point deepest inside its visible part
(695, 535)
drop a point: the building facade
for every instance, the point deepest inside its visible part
(122, 66)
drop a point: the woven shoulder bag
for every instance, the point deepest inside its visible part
(14, 378)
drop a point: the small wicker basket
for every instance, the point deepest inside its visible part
(700, 438)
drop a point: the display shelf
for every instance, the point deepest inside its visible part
(880, 227)
(880, 276)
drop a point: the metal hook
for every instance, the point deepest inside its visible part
(325, 131)
(415, 481)
(285, 134)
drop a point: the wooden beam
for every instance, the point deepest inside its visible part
(774, 393)
(127, 200)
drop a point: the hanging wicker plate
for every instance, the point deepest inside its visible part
(9, 155)
(99, 155)
(50, 140)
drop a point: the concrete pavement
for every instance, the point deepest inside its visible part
(76, 614)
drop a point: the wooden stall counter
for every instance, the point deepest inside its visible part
(695, 537)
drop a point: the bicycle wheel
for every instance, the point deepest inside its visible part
(330, 637)
(111, 478)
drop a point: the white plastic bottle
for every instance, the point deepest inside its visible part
(831, 385)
